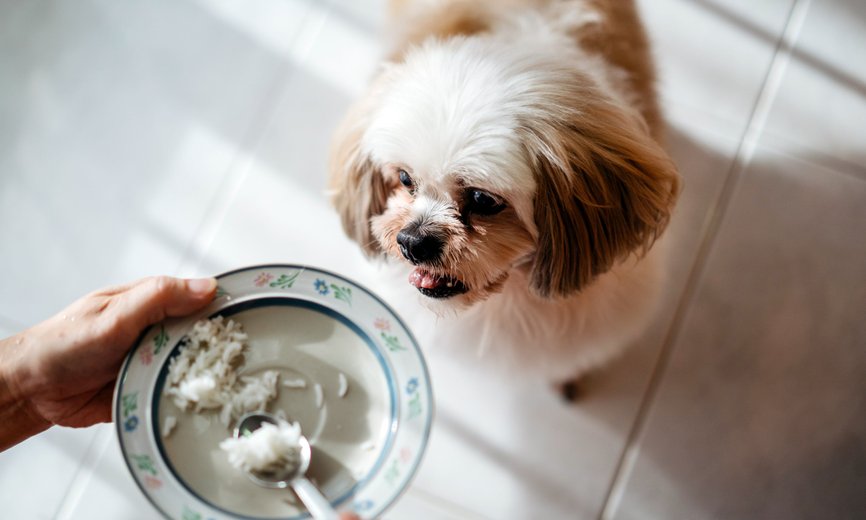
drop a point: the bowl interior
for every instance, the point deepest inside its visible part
(306, 342)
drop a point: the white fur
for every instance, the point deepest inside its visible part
(450, 115)
(452, 110)
(431, 210)
(553, 340)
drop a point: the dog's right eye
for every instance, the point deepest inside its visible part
(405, 180)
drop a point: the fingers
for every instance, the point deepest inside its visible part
(349, 516)
(101, 405)
(105, 400)
(152, 299)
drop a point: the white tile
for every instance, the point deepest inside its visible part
(759, 414)
(349, 49)
(120, 122)
(279, 211)
(417, 505)
(9, 327)
(367, 15)
(713, 55)
(275, 218)
(506, 448)
(105, 490)
(703, 148)
(819, 112)
(274, 25)
(35, 474)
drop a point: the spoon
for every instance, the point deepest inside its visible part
(316, 503)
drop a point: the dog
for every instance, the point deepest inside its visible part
(507, 158)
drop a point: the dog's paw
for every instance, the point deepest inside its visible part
(569, 391)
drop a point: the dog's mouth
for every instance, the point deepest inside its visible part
(434, 285)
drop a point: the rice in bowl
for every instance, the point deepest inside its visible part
(203, 376)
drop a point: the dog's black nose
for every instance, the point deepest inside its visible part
(417, 247)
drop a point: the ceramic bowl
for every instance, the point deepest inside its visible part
(314, 327)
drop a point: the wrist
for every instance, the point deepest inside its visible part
(18, 419)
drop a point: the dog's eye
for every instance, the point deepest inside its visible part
(484, 203)
(405, 180)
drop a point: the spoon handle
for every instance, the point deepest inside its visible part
(318, 505)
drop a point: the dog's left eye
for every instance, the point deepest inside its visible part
(483, 203)
(405, 180)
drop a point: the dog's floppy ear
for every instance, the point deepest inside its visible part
(357, 186)
(605, 190)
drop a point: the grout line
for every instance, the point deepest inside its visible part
(783, 146)
(215, 214)
(742, 157)
(82, 477)
(772, 82)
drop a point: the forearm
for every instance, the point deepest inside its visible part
(18, 419)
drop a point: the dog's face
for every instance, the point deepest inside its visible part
(469, 160)
(461, 232)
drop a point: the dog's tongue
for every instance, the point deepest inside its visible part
(422, 279)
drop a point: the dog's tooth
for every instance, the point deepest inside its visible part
(449, 284)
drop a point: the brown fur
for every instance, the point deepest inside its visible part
(455, 18)
(605, 189)
(358, 190)
(605, 186)
(620, 38)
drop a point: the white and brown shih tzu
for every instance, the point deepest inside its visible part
(508, 156)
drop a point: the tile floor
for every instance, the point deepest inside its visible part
(189, 137)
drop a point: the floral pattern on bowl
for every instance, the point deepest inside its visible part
(401, 454)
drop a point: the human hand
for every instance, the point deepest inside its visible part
(63, 370)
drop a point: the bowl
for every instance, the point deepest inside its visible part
(368, 421)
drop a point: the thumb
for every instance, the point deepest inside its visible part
(153, 299)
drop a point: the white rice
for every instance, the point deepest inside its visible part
(203, 376)
(269, 448)
(344, 385)
(251, 394)
(168, 425)
(320, 395)
(295, 383)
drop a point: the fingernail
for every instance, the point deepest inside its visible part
(201, 286)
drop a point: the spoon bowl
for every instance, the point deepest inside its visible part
(282, 477)
(292, 475)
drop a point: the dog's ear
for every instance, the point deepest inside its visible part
(357, 187)
(605, 190)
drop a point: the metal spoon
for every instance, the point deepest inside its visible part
(316, 503)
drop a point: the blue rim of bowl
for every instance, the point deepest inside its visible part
(424, 440)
